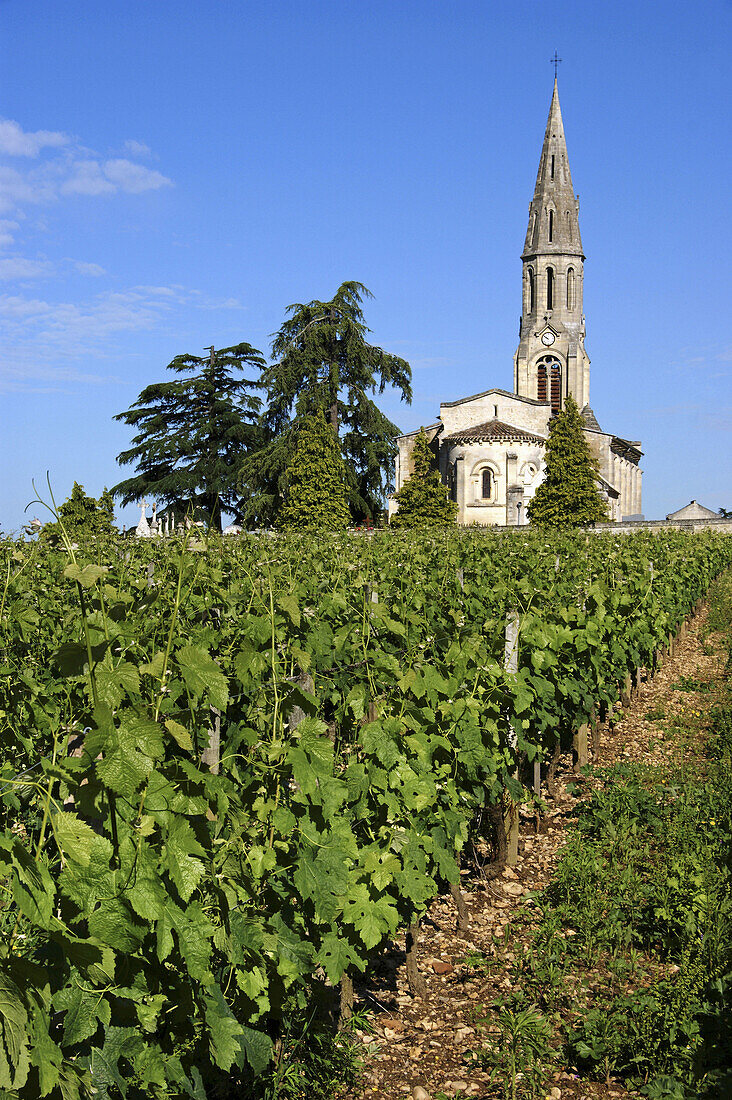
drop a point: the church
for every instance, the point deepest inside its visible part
(490, 447)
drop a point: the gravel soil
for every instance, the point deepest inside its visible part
(418, 1048)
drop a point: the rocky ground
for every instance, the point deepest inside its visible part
(419, 1048)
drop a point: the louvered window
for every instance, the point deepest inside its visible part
(549, 383)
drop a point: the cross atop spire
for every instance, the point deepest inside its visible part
(556, 61)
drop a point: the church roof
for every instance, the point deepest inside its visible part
(494, 431)
(626, 448)
(590, 419)
(503, 393)
(553, 193)
(609, 489)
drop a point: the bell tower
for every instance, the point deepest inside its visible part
(551, 360)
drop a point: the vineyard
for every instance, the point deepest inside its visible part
(233, 773)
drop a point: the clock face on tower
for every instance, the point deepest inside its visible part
(548, 338)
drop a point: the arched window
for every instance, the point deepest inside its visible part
(570, 288)
(552, 171)
(551, 223)
(550, 288)
(486, 483)
(549, 382)
(556, 391)
(530, 288)
(541, 382)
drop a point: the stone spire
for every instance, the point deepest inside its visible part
(551, 360)
(553, 195)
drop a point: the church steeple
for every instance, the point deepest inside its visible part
(553, 195)
(551, 360)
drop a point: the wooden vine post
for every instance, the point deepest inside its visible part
(595, 732)
(580, 747)
(510, 663)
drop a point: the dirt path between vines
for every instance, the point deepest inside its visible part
(417, 1047)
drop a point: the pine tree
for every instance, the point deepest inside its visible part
(423, 499)
(315, 479)
(323, 361)
(569, 495)
(193, 433)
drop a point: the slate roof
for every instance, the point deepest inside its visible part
(590, 419)
(494, 431)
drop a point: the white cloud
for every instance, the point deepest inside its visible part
(17, 189)
(60, 167)
(137, 148)
(16, 267)
(95, 270)
(66, 168)
(90, 177)
(47, 340)
(67, 325)
(14, 307)
(6, 235)
(86, 178)
(134, 178)
(15, 142)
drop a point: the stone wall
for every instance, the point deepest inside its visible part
(532, 416)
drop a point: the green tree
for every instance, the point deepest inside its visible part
(193, 433)
(83, 517)
(315, 493)
(323, 361)
(423, 499)
(569, 495)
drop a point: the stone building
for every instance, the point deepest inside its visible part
(490, 447)
(693, 510)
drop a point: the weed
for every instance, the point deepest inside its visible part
(720, 603)
(312, 1061)
(476, 960)
(691, 684)
(521, 1053)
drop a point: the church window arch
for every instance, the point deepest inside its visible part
(541, 382)
(530, 289)
(551, 225)
(550, 288)
(484, 475)
(570, 288)
(552, 166)
(452, 484)
(549, 382)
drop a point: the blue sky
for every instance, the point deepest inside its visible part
(174, 174)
